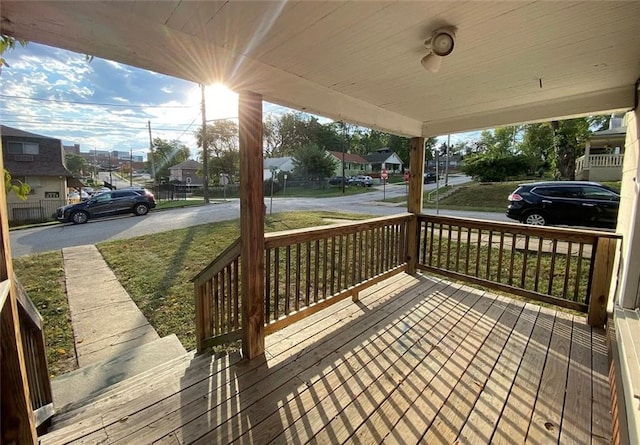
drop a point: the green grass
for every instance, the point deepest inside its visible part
(328, 192)
(42, 276)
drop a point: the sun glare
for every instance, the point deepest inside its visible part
(221, 102)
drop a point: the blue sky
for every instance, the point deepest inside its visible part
(102, 104)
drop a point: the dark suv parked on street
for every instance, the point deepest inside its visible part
(575, 203)
(136, 201)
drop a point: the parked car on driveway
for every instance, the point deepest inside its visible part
(575, 203)
(136, 201)
(361, 180)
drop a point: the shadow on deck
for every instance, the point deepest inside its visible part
(417, 359)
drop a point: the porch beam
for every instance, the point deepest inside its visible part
(251, 223)
(414, 200)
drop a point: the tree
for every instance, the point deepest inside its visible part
(538, 145)
(167, 154)
(75, 163)
(313, 162)
(569, 137)
(222, 147)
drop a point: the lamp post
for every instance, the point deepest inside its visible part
(130, 167)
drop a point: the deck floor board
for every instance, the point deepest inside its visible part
(416, 360)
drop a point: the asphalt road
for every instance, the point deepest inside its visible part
(56, 237)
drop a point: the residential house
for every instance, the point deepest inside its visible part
(455, 161)
(39, 161)
(282, 164)
(353, 164)
(188, 173)
(603, 154)
(384, 159)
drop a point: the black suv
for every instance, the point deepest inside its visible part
(136, 201)
(575, 203)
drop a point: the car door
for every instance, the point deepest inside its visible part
(560, 202)
(600, 205)
(123, 200)
(101, 204)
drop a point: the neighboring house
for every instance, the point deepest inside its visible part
(455, 161)
(353, 164)
(38, 161)
(283, 164)
(603, 154)
(188, 173)
(384, 159)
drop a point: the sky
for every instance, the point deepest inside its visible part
(105, 105)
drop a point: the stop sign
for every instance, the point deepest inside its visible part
(384, 174)
(406, 176)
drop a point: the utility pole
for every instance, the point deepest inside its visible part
(205, 154)
(344, 149)
(130, 167)
(153, 166)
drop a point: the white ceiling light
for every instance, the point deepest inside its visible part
(440, 44)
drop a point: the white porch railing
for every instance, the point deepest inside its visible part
(606, 160)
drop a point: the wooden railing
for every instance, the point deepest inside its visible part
(305, 271)
(33, 348)
(217, 290)
(309, 269)
(565, 267)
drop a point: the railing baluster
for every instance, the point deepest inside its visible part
(316, 272)
(236, 291)
(458, 246)
(298, 277)
(287, 281)
(488, 273)
(267, 286)
(448, 245)
(554, 247)
(576, 289)
(468, 251)
(341, 263)
(230, 308)
(500, 253)
(276, 283)
(333, 265)
(478, 249)
(431, 236)
(354, 246)
(324, 267)
(224, 325)
(438, 264)
(514, 240)
(525, 259)
(567, 268)
(538, 259)
(307, 299)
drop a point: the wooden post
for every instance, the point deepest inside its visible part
(601, 281)
(414, 200)
(18, 422)
(251, 223)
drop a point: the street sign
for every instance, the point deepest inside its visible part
(384, 174)
(406, 176)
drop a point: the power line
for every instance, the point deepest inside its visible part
(58, 124)
(40, 99)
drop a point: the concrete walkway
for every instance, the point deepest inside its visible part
(113, 340)
(106, 322)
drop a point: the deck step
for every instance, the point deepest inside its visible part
(76, 388)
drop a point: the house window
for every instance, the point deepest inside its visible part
(23, 148)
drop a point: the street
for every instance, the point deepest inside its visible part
(56, 237)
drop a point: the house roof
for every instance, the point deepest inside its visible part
(269, 163)
(360, 62)
(612, 132)
(189, 164)
(348, 157)
(14, 132)
(379, 157)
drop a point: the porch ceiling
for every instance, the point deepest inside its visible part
(360, 61)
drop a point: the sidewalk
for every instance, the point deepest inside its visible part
(113, 339)
(106, 322)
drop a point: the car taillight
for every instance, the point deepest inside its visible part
(514, 197)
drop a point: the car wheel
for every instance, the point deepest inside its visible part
(535, 219)
(141, 209)
(79, 217)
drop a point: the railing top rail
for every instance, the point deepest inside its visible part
(579, 235)
(288, 237)
(220, 262)
(25, 302)
(5, 287)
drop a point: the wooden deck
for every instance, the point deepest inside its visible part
(415, 360)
